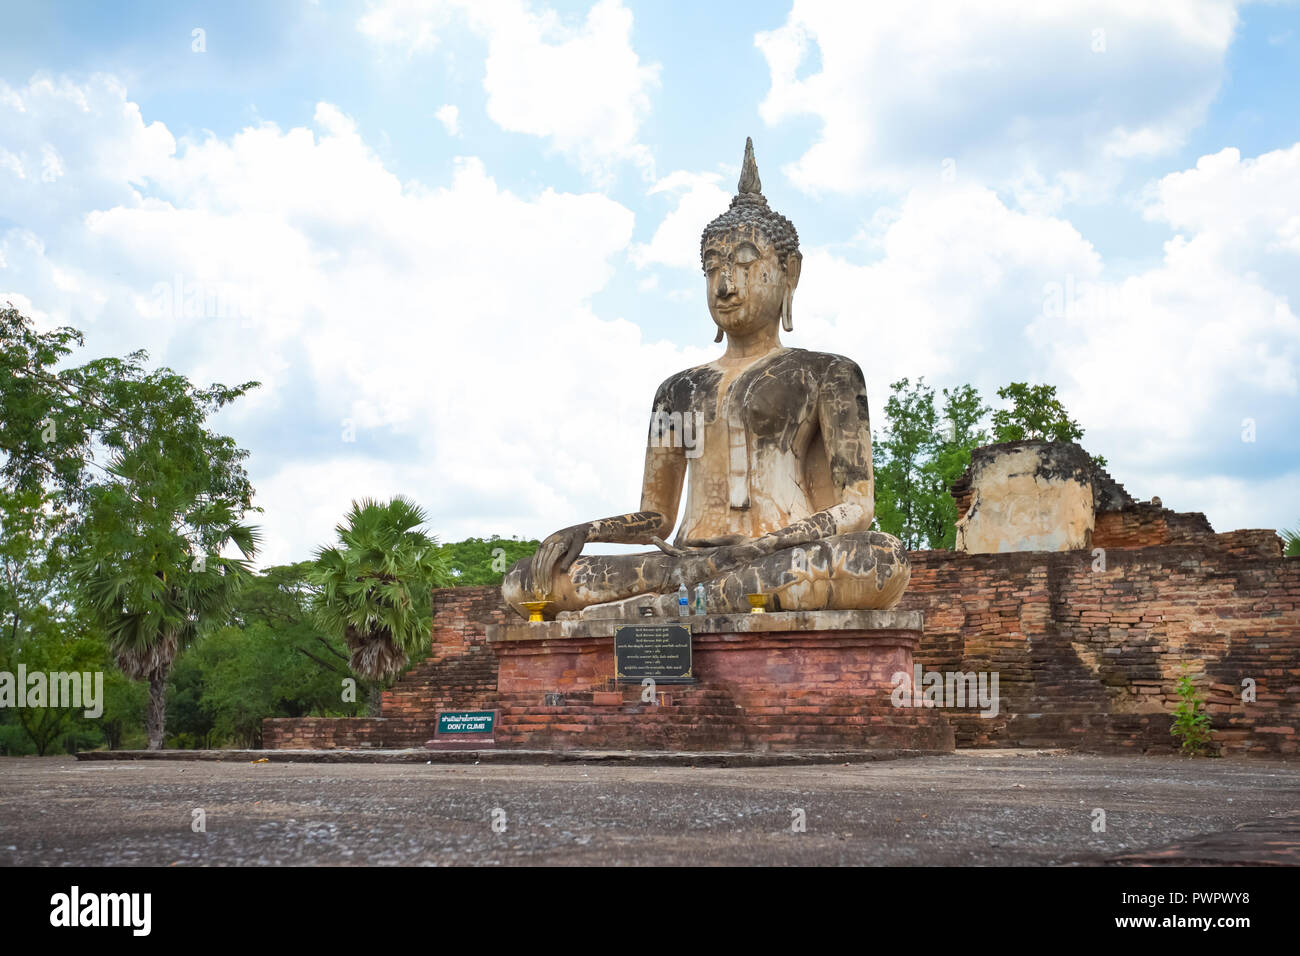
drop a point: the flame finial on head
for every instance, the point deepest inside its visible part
(749, 206)
(749, 181)
(749, 209)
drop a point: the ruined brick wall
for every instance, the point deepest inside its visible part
(794, 691)
(1147, 525)
(459, 673)
(322, 733)
(1086, 658)
(1089, 658)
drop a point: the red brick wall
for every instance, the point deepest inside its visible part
(1147, 525)
(1089, 658)
(460, 673)
(827, 691)
(323, 733)
(1085, 658)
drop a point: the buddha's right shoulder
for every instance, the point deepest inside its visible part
(682, 390)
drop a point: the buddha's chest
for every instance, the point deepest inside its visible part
(767, 403)
(756, 424)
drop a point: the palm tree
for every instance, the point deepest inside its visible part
(1291, 543)
(153, 597)
(374, 590)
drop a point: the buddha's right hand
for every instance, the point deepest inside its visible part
(556, 554)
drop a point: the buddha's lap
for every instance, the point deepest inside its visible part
(858, 552)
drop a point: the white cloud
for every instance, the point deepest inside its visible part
(410, 25)
(1017, 93)
(449, 117)
(957, 278)
(676, 241)
(48, 124)
(1161, 366)
(452, 324)
(582, 88)
(1244, 209)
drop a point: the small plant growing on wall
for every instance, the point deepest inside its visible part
(1191, 723)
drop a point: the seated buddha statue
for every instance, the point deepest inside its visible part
(773, 447)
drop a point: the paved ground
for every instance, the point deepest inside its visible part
(975, 807)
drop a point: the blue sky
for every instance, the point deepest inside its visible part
(457, 242)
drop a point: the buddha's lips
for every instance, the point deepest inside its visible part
(727, 307)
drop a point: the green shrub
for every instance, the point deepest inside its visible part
(1191, 723)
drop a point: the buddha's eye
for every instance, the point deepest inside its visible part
(746, 254)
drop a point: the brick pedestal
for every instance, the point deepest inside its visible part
(780, 681)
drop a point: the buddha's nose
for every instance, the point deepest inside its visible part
(725, 286)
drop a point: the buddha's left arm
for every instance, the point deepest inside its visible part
(846, 430)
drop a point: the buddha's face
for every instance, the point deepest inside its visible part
(746, 282)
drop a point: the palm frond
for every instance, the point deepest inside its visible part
(374, 587)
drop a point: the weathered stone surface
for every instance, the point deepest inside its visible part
(1034, 496)
(785, 621)
(1026, 496)
(773, 447)
(577, 808)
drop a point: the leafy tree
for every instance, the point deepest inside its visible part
(375, 587)
(125, 705)
(924, 450)
(484, 561)
(270, 661)
(149, 594)
(150, 495)
(31, 563)
(56, 424)
(1291, 543)
(905, 489)
(927, 445)
(276, 662)
(960, 434)
(66, 644)
(51, 651)
(277, 605)
(38, 626)
(1035, 413)
(190, 725)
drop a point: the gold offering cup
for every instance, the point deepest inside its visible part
(535, 609)
(757, 603)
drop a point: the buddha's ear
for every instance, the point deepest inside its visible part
(793, 263)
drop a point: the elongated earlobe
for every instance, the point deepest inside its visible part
(718, 337)
(787, 310)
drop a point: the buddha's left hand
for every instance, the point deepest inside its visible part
(556, 553)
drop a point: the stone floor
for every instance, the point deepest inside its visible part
(971, 808)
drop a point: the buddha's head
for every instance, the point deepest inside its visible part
(751, 260)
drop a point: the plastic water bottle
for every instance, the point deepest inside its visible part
(699, 599)
(683, 602)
